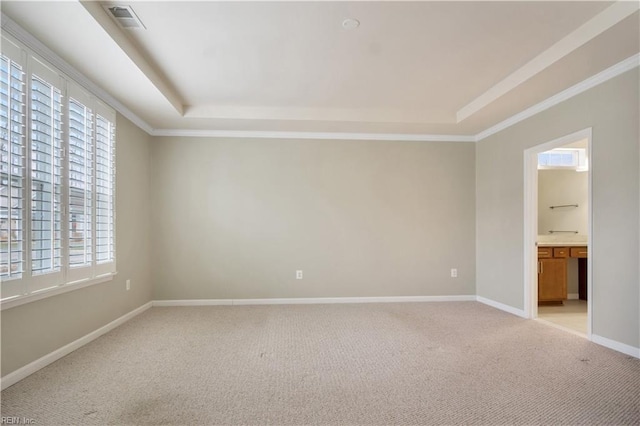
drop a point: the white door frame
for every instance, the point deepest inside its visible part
(531, 223)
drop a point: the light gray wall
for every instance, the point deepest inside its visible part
(560, 187)
(611, 109)
(236, 218)
(35, 329)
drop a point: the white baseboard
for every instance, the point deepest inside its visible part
(573, 296)
(193, 302)
(616, 346)
(313, 300)
(501, 306)
(36, 365)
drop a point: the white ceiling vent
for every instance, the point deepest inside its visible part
(124, 16)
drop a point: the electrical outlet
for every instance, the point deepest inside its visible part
(128, 285)
(298, 275)
(454, 273)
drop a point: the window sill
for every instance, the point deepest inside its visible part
(43, 294)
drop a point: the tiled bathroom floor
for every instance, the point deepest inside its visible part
(572, 315)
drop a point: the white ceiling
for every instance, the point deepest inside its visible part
(410, 68)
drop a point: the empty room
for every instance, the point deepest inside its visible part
(320, 212)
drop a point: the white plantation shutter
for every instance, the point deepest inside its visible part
(105, 194)
(46, 177)
(12, 174)
(57, 170)
(80, 185)
(91, 190)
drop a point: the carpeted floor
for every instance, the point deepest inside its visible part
(405, 363)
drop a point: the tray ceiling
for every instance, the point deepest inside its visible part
(409, 67)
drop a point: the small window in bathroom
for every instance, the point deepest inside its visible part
(563, 158)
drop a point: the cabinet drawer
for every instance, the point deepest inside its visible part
(578, 252)
(560, 252)
(545, 252)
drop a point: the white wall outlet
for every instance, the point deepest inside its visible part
(454, 273)
(298, 275)
(128, 285)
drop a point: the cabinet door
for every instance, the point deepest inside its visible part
(552, 280)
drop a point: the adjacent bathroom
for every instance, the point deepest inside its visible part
(563, 235)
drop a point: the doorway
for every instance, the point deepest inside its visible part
(553, 237)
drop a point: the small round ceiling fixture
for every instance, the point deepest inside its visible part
(350, 24)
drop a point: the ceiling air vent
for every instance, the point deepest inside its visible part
(125, 17)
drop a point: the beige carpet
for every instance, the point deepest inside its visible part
(408, 363)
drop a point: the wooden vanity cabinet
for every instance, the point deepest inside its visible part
(552, 274)
(552, 279)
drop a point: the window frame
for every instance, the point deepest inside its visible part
(30, 287)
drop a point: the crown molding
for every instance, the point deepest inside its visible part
(601, 77)
(24, 37)
(405, 137)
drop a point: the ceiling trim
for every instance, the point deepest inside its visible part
(584, 33)
(405, 137)
(63, 66)
(601, 77)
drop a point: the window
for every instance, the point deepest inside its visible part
(563, 158)
(57, 169)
